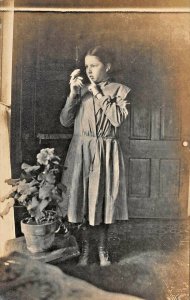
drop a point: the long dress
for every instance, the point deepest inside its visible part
(94, 171)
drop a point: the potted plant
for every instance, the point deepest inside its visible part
(38, 186)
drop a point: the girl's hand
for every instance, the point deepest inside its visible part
(75, 83)
(93, 88)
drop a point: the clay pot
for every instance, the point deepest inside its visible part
(39, 238)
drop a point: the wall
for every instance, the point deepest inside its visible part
(7, 225)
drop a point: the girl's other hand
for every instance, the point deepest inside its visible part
(75, 83)
(93, 88)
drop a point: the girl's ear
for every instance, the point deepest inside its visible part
(108, 67)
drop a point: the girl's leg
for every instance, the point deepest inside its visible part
(102, 231)
(83, 259)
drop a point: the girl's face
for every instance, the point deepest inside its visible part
(95, 69)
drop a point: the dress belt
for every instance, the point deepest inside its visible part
(95, 152)
(96, 137)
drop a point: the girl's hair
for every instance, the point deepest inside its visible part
(103, 54)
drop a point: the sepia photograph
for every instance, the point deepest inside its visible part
(94, 150)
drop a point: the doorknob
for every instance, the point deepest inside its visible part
(185, 144)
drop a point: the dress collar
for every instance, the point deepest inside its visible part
(104, 83)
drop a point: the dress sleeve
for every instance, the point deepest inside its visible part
(115, 108)
(69, 111)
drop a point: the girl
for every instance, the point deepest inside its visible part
(94, 172)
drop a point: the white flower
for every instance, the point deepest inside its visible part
(45, 156)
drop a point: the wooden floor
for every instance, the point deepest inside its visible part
(150, 259)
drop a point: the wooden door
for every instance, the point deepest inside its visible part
(41, 69)
(156, 166)
(151, 61)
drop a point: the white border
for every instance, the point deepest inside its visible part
(151, 10)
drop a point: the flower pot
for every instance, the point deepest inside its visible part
(39, 238)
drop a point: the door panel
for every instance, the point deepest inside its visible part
(170, 122)
(169, 177)
(140, 122)
(139, 181)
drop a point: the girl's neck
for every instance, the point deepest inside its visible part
(104, 80)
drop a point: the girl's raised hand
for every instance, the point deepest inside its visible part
(75, 82)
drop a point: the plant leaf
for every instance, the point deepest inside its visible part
(35, 208)
(6, 209)
(22, 198)
(43, 204)
(12, 182)
(28, 168)
(50, 178)
(45, 190)
(33, 203)
(62, 187)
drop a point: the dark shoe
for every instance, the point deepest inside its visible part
(104, 257)
(83, 259)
